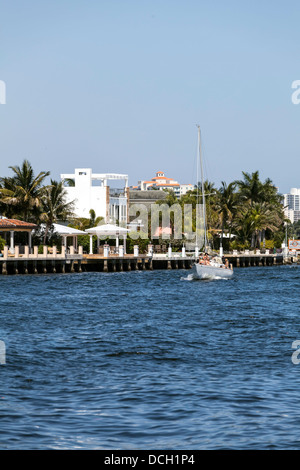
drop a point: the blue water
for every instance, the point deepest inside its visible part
(150, 360)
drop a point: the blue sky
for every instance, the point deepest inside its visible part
(119, 86)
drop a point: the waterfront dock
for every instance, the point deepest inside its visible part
(243, 260)
(52, 261)
(57, 263)
(33, 262)
(127, 262)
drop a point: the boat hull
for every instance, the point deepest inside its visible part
(200, 271)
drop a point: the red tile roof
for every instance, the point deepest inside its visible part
(161, 178)
(15, 224)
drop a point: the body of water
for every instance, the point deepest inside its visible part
(150, 360)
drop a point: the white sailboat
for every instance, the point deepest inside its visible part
(208, 267)
(213, 270)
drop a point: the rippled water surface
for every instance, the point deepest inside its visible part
(150, 360)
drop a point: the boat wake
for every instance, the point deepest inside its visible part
(191, 277)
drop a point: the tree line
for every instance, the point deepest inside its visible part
(246, 213)
(26, 196)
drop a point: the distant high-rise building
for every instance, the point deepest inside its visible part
(291, 204)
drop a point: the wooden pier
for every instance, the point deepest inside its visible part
(89, 263)
(54, 262)
(246, 260)
(41, 265)
(132, 262)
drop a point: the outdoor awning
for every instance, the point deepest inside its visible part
(63, 230)
(107, 230)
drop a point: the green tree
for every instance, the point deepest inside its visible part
(261, 208)
(251, 188)
(94, 221)
(263, 218)
(82, 223)
(70, 182)
(22, 193)
(55, 206)
(255, 220)
(226, 205)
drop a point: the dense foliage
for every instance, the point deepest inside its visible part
(249, 212)
(25, 196)
(246, 213)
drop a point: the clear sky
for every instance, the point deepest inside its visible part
(120, 85)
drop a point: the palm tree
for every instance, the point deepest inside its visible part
(55, 205)
(253, 220)
(226, 206)
(82, 223)
(94, 221)
(70, 182)
(7, 203)
(243, 226)
(264, 218)
(251, 188)
(265, 204)
(22, 193)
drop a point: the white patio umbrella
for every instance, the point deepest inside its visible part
(66, 232)
(107, 230)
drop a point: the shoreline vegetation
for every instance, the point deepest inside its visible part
(244, 214)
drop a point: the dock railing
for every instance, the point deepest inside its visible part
(33, 253)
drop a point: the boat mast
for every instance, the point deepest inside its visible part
(202, 186)
(197, 198)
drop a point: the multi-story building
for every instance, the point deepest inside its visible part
(91, 191)
(291, 204)
(160, 181)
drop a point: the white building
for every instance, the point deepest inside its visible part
(291, 204)
(91, 191)
(184, 188)
(160, 181)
